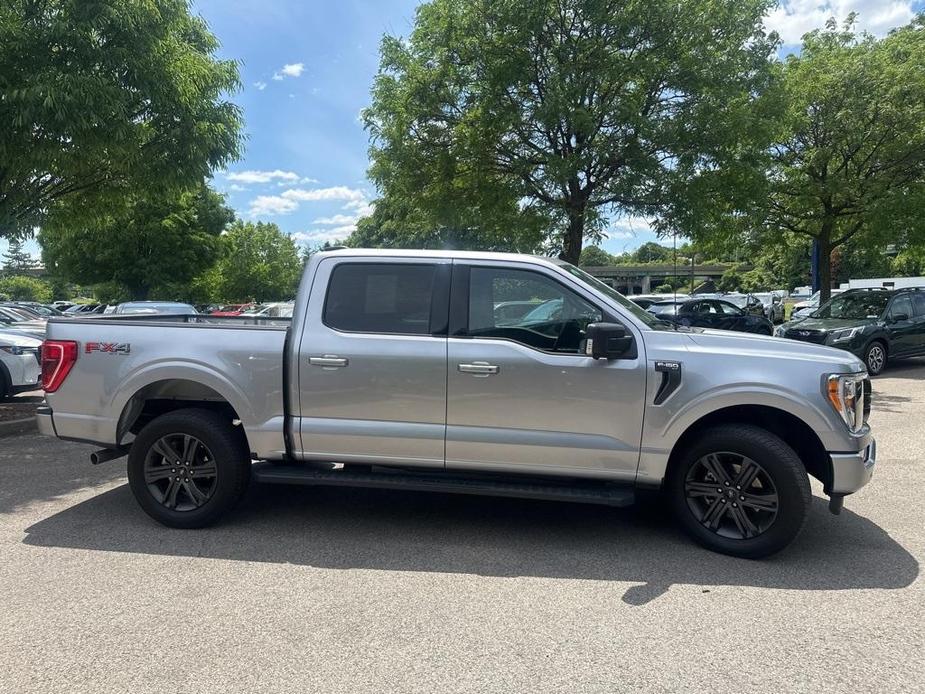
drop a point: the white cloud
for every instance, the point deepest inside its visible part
(628, 228)
(793, 18)
(290, 200)
(277, 77)
(336, 219)
(260, 85)
(293, 69)
(271, 205)
(363, 208)
(237, 188)
(332, 193)
(318, 236)
(262, 176)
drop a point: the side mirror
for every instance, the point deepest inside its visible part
(898, 317)
(607, 341)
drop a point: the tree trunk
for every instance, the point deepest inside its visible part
(824, 261)
(574, 235)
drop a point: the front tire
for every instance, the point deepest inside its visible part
(875, 357)
(189, 467)
(740, 490)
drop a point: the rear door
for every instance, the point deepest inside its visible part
(521, 396)
(904, 332)
(918, 309)
(372, 362)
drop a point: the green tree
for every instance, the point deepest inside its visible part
(25, 288)
(16, 259)
(595, 256)
(149, 244)
(651, 252)
(97, 96)
(568, 109)
(258, 262)
(849, 158)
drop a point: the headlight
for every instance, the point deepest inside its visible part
(845, 393)
(13, 349)
(844, 334)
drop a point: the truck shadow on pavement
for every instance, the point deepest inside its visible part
(398, 531)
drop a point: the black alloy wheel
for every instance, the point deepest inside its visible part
(180, 472)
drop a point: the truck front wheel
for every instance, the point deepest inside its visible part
(188, 467)
(740, 490)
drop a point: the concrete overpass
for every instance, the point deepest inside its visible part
(642, 279)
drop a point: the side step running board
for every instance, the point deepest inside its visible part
(583, 493)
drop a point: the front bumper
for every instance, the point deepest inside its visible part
(851, 471)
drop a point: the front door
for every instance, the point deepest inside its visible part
(520, 395)
(372, 362)
(904, 332)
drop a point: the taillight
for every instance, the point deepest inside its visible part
(58, 356)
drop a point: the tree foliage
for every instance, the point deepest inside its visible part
(16, 258)
(150, 243)
(103, 95)
(848, 162)
(25, 288)
(564, 109)
(259, 262)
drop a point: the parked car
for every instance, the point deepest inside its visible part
(747, 302)
(280, 309)
(875, 324)
(512, 311)
(802, 309)
(42, 310)
(173, 308)
(711, 313)
(386, 378)
(22, 321)
(232, 310)
(773, 306)
(646, 300)
(20, 370)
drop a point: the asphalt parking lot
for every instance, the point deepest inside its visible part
(327, 590)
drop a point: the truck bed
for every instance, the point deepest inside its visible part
(126, 359)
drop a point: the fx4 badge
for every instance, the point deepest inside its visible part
(108, 347)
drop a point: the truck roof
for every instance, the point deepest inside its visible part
(406, 253)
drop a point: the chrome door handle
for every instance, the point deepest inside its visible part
(328, 360)
(479, 368)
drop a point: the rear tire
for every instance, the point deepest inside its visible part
(189, 467)
(740, 490)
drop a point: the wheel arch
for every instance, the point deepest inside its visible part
(790, 428)
(168, 395)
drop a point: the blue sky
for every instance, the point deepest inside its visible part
(306, 69)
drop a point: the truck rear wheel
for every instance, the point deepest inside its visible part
(740, 490)
(189, 467)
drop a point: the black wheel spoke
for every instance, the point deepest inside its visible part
(760, 502)
(715, 514)
(747, 474)
(708, 489)
(190, 446)
(170, 494)
(163, 449)
(743, 522)
(715, 467)
(205, 470)
(196, 495)
(161, 472)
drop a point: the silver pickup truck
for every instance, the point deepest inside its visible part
(475, 373)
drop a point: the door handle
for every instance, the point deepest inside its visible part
(328, 360)
(479, 368)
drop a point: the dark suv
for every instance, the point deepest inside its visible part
(874, 324)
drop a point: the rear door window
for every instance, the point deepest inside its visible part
(380, 298)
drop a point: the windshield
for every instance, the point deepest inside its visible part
(666, 309)
(854, 306)
(612, 293)
(174, 309)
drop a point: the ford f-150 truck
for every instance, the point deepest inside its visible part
(398, 370)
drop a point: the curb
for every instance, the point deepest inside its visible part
(12, 427)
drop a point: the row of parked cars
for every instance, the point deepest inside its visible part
(876, 325)
(22, 329)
